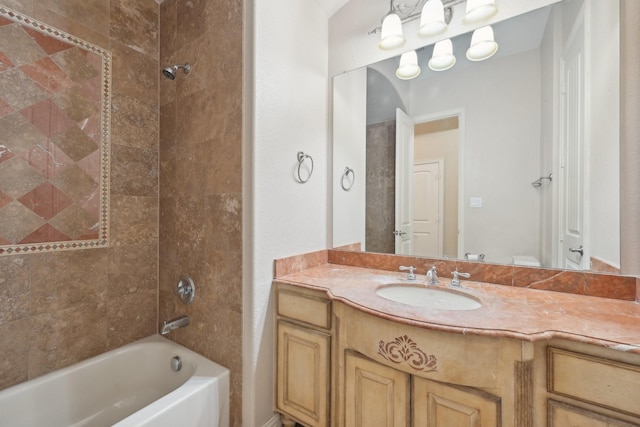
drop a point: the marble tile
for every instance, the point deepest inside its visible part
(224, 221)
(19, 135)
(46, 233)
(15, 338)
(75, 65)
(18, 178)
(136, 122)
(131, 317)
(168, 29)
(75, 183)
(93, 14)
(68, 24)
(134, 220)
(134, 171)
(18, 90)
(192, 20)
(582, 283)
(18, 46)
(135, 24)
(48, 118)
(76, 223)
(49, 44)
(69, 279)
(134, 74)
(293, 264)
(46, 201)
(17, 222)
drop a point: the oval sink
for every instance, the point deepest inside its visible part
(434, 298)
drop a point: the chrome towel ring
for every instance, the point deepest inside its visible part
(301, 158)
(348, 171)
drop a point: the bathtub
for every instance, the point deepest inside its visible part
(134, 385)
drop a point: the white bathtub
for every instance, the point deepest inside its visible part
(130, 386)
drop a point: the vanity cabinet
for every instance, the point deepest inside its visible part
(303, 357)
(394, 374)
(344, 365)
(589, 386)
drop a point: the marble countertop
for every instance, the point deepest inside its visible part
(506, 311)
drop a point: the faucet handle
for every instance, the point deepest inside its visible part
(411, 275)
(456, 277)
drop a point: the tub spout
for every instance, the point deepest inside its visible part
(178, 322)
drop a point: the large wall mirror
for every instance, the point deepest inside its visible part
(511, 160)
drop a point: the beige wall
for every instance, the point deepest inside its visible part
(60, 308)
(201, 179)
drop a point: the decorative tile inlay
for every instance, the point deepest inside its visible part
(404, 349)
(55, 103)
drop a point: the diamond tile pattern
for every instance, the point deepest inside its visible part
(53, 128)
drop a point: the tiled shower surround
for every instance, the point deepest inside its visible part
(175, 183)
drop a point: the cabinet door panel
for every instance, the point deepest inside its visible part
(375, 395)
(303, 374)
(563, 415)
(439, 405)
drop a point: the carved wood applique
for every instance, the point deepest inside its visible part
(404, 349)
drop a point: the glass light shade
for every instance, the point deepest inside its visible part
(479, 10)
(409, 67)
(391, 37)
(442, 58)
(432, 20)
(482, 45)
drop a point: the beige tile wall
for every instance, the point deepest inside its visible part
(201, 178)
(60, 308)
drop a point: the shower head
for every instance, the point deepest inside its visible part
(170, 72)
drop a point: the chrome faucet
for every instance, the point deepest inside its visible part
(456, 277)
(432, 276)
(178, 322)
(411, 275)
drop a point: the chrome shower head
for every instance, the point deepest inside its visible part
(170, 72)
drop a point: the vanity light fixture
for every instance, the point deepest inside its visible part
(434, 17)
(408, 68)
(432, 20)
(483, 45)
(442, 58)
(479, 11)
(391, 37)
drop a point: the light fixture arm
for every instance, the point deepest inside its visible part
(448, 12)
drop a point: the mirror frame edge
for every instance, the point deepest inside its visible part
(629, 137)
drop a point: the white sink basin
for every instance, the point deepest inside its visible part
(428, 297)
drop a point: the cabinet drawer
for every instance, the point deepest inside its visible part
(595, 380)
(305, 308)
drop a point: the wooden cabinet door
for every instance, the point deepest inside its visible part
(303, 374)
(564, 415)
(375, 395)
(440, 405)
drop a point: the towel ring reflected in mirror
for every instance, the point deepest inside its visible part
(301, 159)
(347, 171)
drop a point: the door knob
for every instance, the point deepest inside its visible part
(577, 250)
(399, 233)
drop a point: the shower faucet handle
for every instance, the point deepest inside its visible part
(411, 275)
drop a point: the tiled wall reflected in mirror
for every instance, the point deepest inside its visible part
(54, 138)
